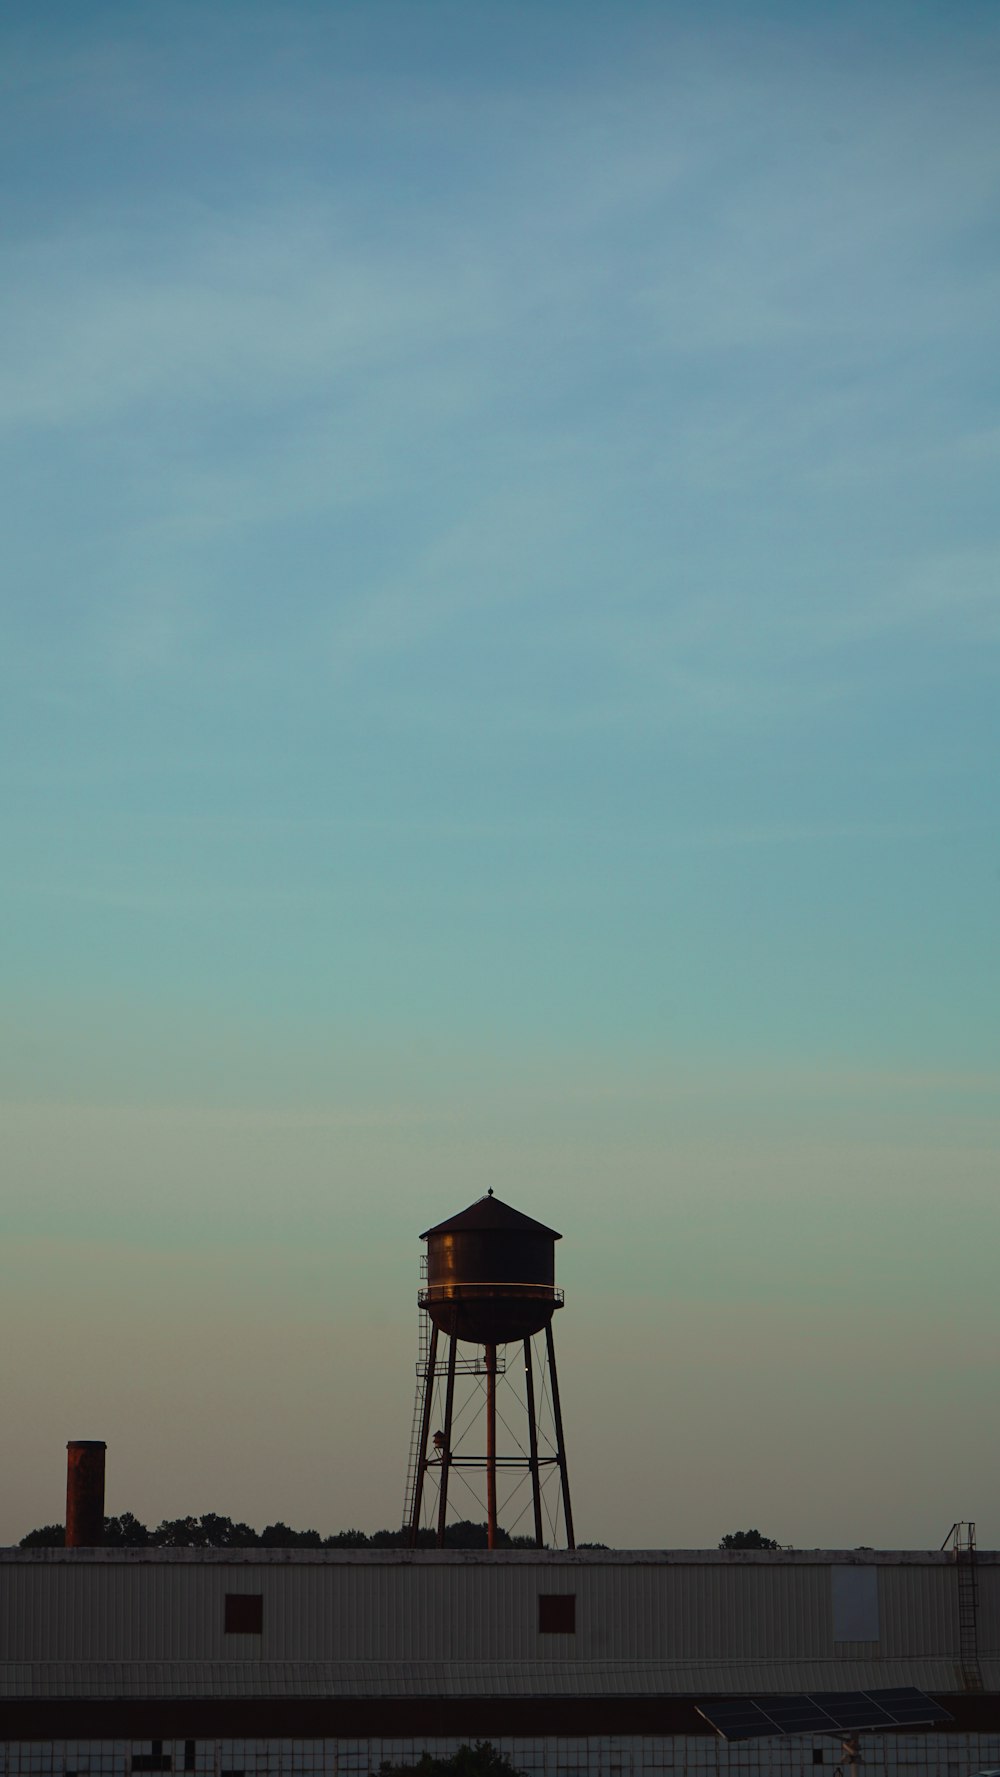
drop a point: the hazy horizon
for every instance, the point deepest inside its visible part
(499, 690)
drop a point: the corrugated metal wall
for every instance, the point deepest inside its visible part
(676, 1624)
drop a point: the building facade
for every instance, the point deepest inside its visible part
(114, 1661)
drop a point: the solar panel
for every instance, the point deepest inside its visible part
(824, 1712)
(856, 1709)
(909, 1707)
(736, 1721)
(794, 1715)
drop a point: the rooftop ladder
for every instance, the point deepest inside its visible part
(962, 1537)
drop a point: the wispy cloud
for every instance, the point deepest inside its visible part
(680, 301)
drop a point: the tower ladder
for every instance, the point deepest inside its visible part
(413, 1459)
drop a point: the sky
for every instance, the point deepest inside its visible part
(498, 683)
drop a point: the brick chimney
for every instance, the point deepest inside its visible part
(85, 1493)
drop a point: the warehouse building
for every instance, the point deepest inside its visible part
(120, 1661)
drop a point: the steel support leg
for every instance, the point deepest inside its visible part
(449, 1402)
(536, 1486)
(560, 1444)
(425, 1426)
(491, 1446)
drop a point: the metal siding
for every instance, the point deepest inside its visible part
(404, 1627)
(918, 1609)
(989, 1610)
(245, 1677)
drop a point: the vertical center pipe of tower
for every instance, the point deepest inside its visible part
(425, 1426)
(561, 1447)
(491, 1446)
(536, 1487)
(449, 1402)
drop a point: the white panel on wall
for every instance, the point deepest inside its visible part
(855, 1603)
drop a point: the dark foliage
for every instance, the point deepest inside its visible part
(748, 1539)
(207, 1532)
(481, 1760)
(211, 1531)
(125, 1532)
(278, 1536)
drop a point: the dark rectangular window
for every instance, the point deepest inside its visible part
(557, 1613)
(817, 1755)
(244, 1613)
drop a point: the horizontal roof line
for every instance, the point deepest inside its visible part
(514, 1557)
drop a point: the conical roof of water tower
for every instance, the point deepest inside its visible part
(491, 1214)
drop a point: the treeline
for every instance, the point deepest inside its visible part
(211, 1531)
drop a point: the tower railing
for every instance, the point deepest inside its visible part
(531, 1292)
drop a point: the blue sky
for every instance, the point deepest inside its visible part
(499, 688)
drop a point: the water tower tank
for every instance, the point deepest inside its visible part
(491, 1274)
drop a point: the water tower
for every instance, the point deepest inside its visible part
(490, 1285)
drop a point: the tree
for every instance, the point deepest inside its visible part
(47, 1536)
(748, 1539)
(481, 1760)
(207, 1532)
(126, 1532)
(278, 1536)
